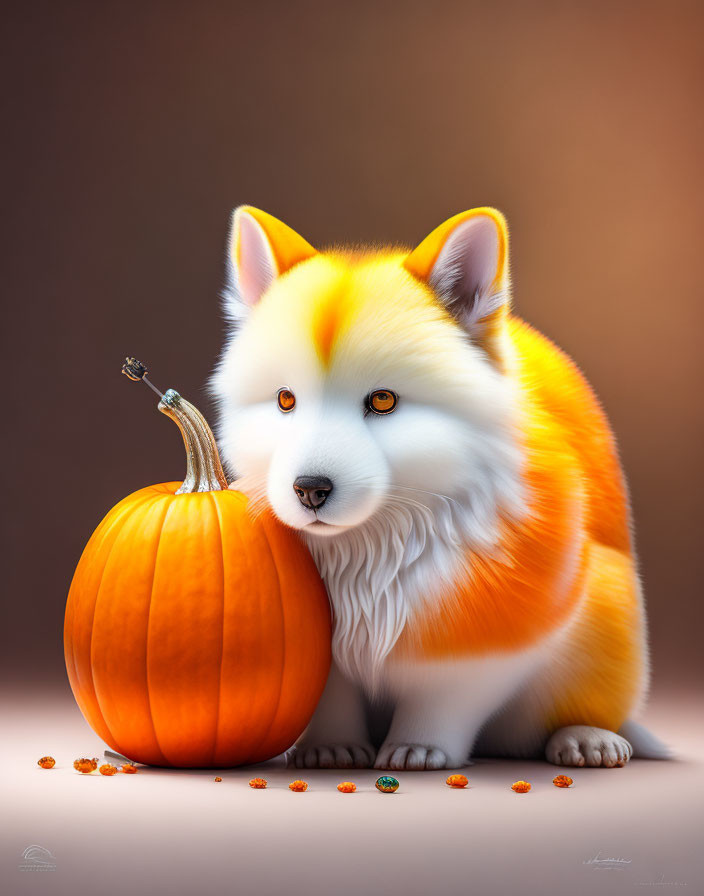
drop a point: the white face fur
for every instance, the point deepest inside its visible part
(449, 434)
(410, 489)
(429, 445)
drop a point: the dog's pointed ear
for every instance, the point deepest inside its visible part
(465, 262)
(260, 249)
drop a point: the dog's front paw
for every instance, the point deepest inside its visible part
(330, 756)
(411, 757)
(578, 745)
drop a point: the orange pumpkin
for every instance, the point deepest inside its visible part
(196, 635)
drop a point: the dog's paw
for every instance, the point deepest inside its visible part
(411, 757)
(330, 756)
(582, 745)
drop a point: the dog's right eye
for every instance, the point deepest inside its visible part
(287, 400)
(382, 401)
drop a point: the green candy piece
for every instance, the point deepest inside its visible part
(387, 784)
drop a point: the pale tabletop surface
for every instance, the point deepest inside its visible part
(615, 831)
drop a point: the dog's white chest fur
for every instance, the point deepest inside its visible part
(378, 573)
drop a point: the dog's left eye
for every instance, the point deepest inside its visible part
(382, 401)
(286, 400)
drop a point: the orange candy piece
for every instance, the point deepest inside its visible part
(520, 787)
(298, 786)
(457, 781)
(46, 762)
(258, 783)
(129, 768)
(107, 770)
(563, 781)
(85, 766)
(218, 778)
(346, 787)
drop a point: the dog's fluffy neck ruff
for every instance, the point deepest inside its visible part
(377, 573)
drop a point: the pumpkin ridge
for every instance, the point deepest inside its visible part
(222, 626)
(113, 741)
(104, 529)
(170, 498)
(277, 704)
(124, 510)
(119, 632)
(70, 615)
(239, 533)
(146, 649)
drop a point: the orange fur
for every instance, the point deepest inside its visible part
(328, 316)
(576, 497)
(603, 663)
(423, 257)
(288, 247)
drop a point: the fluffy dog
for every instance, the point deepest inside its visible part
(459, 487)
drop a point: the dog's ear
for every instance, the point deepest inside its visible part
(465, 262)
(260, 249)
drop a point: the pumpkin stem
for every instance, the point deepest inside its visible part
(203, 468)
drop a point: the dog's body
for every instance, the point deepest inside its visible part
(459, 488)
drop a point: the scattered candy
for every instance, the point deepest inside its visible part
(346, 787)
(562, 781)
(298, 786)
(457, 781)
(520, 787)
(387, 784)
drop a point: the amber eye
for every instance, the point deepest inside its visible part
(383, 401)
(287, 400)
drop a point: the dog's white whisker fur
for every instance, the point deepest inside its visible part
(426, 492)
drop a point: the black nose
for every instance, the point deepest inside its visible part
(312, 491)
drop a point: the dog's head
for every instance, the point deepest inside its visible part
(356, 381)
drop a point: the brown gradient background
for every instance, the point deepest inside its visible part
(131, 130)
